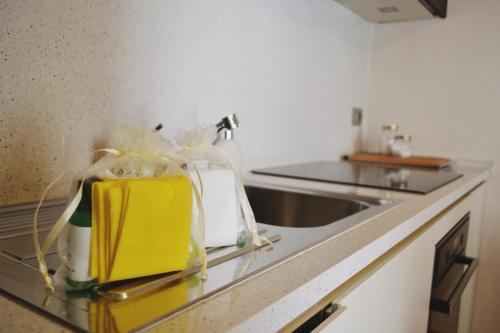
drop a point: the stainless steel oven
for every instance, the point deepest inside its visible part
(452, 272)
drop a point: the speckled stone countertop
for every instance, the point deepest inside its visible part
(17, 318)
(271, 299)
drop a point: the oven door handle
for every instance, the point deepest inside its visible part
(446, 306)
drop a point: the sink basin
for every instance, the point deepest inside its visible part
(303, 209)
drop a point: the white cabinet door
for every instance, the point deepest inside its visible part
(395, 298)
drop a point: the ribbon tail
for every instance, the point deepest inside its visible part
(199, 180)
(200, 238)
(247, 212)
(41, 251)
(54, 232)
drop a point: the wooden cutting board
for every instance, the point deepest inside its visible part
(415, 161)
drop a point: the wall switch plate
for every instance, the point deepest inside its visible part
(357, 116)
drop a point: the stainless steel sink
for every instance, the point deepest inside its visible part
(301, 217)
(303, 209)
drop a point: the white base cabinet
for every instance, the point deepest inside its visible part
(394, 297)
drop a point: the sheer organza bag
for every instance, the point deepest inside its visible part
(129, 215)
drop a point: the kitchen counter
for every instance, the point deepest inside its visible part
(272, 298)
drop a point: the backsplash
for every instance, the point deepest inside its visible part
(69, 71)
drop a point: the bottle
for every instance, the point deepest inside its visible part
(232, 148)
(401, 146)
(226, 142)
(79, 237)
(387, 138)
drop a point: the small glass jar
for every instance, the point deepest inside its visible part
(387, 138)
(401, 146)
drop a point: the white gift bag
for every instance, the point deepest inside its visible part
(220, 204)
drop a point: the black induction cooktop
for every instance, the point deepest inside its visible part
(416, 180)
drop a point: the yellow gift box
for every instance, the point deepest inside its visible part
(140, 227)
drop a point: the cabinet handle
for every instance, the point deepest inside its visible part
(320, 319)
(446, 306)
(337, 310)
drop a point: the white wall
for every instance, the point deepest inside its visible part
(440, 80)
(291, 69)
